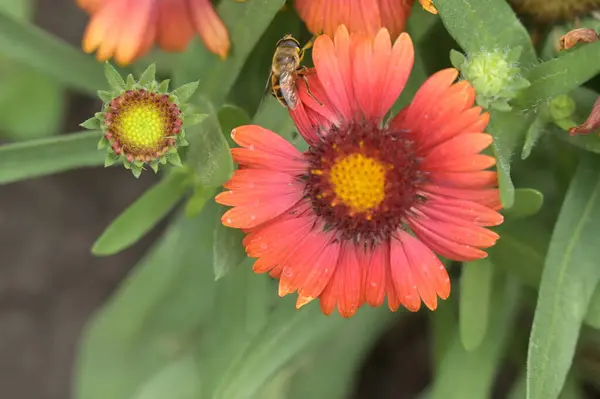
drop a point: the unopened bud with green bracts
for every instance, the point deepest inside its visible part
(142, 122)
(495, 76)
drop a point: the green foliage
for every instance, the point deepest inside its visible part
(570, 276)
(143, 214)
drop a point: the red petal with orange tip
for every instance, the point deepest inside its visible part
(210, 27)
(175, 28)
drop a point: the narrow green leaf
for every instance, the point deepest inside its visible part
(463, 374)
(486, 25)
(31, 46)
(197, 201)
(476, 282)
(114, 79)
(592, 317)
(176, 380)
(571, 390)
(534, 132)
(561, 75)
(228, 251)
(185, 92)
(142, 215)
(444, 322)
(344, 351)
(521, 250)
(217, 77)
(209, 154)
(194, 119)
(569, 278)
(43, 157)
(508, 129)
(148, 76)
(528, 202)
(286, 334)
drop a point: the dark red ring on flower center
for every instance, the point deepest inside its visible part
(391, 149)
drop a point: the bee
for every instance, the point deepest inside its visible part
(285, 68)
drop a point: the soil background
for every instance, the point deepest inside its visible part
(50, 284)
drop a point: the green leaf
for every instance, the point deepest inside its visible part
(142, 215)
(176, 380)
(228, 251)
(231, 117)
(185, 92)
(528, 202)
(92, 124)
(111, 158)
(174, 159)
(148, 76)
(592, 317)
(568, 281)
(560, 75)
(508, 129)
(194, 119)
(197, 201)
(31, 46)
(114, 79)
(443, 324)
(154, 320)
(209, 154)
(216, 76)
(32, 104)
(344, 351)
(571, 390)
(534, 132)
(486, 25)
(521, 250)
(463, 374)
(286, 334)
(476, 282)
(43, 157)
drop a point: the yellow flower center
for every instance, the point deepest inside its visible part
(141, 126)
(358, 182)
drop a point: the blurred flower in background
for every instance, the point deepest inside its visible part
(358, 15)
(127, 29)
(333, 222)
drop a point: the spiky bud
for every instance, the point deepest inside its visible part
(142, 122)
(495, 76)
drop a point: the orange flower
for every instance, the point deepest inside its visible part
(359, 216)
(363, 16)
(127, 29)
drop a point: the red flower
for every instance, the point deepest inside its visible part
(359, 215)
(361, 16)
(127, 29)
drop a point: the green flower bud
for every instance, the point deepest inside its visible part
(143, 123)
(495, 76)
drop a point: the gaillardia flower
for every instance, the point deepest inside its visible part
(141, 121)
(358, 216)
(127, 29)
(360, 16)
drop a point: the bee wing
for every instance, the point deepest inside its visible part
(265, 92)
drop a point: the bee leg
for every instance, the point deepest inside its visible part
(308, 90)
